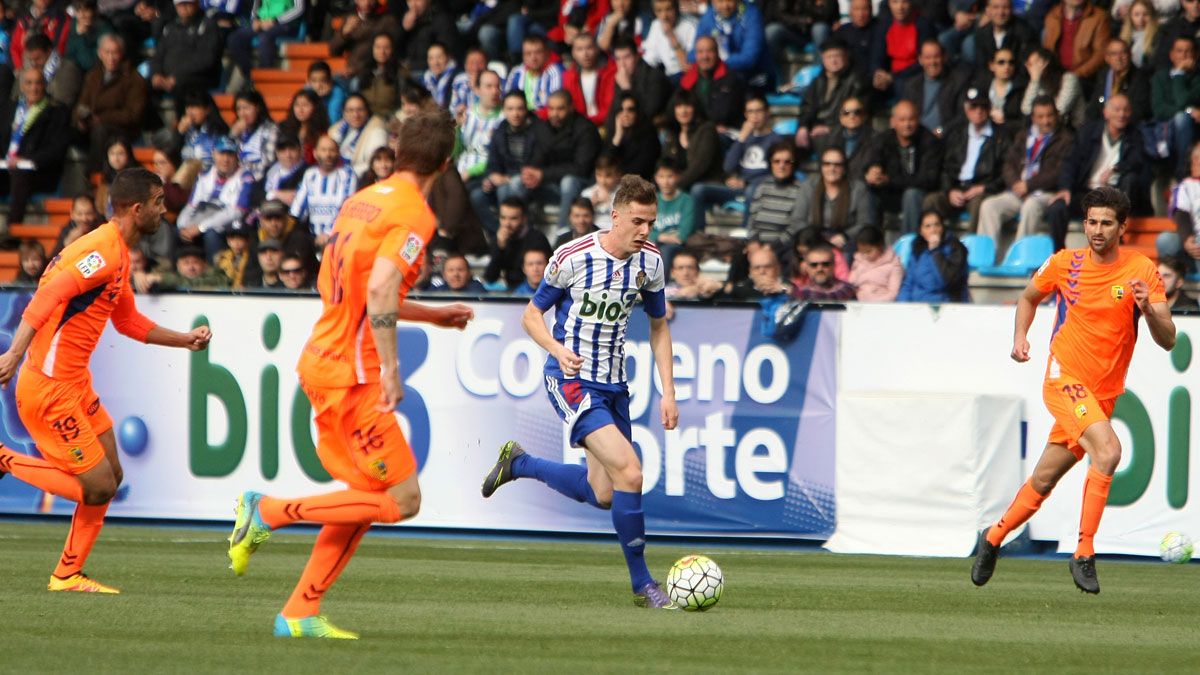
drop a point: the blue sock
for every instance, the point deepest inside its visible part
(569, 479)
(630, 523)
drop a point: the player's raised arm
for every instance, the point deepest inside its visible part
(133, 324)
(456, 315)
(1158, 314)
(383, 311)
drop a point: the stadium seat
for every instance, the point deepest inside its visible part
(1024, 256)
(46, 234)
(787, 127)
(903, 248)
(736, 205)
(981, 250)
(10, 265)
(803, 77)
(783, 99)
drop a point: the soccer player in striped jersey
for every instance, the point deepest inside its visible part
(592, 284)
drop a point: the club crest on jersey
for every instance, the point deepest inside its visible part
(1081, 411)
(412, 249)
(379, 469)
(94, 262)
(1118, 293)
(641, 278)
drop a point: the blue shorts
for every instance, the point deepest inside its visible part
(587, 406)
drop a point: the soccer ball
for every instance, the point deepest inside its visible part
(1175, 548)
(695, 582)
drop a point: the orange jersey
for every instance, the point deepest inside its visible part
(1096, 324)
(83, 286)
(388, 220)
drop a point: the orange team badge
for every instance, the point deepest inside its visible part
(1080, 411)
(1118, 293)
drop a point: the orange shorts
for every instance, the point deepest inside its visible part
(356, 443)
(64, 419)
(1074, 409)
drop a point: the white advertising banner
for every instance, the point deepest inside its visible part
(965, 349)
(923, 489)
(753, 454)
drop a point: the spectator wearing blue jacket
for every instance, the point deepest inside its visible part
(737, 26)
(937, 270)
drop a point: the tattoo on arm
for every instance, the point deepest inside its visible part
(383, 320)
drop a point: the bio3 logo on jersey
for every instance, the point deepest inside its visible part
(213, 382)
(605, 307)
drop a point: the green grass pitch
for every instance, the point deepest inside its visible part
(464, 605)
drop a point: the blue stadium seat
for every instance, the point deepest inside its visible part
(787, 128)
(776, 100)
(981, 250)
(1026, 255)
(737, 205)
(793, 92)
(1194, 276)
(903, 248)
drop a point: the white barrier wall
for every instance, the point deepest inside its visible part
(965, 349)
(921, 474)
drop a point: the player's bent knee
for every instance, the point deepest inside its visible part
(629, 479)
(97, 495)
(404, 507)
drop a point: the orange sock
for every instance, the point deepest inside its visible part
(1095, 496)
(335, 544)
(85, 527)
(41, 474)
(347, 507)
(1026, 503)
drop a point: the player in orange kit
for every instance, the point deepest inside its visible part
(83, 287)
(1101, 292)
(350, 372)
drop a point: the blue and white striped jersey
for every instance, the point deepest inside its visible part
(321, 195)
(593, 294)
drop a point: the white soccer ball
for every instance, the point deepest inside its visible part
(695, 583)
(1176, 547)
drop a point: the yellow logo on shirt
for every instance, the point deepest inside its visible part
(1081, 411)
(1118, 293)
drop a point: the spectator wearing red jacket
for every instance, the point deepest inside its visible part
(589, 81)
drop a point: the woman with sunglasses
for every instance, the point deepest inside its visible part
(1004, 86)
(833, 203)
(853, 133)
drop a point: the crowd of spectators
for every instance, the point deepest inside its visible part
(925, 117)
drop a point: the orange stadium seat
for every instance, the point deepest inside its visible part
(10, 264)
(306, 50)
(46, 234)
(288, 89)
(1143, 233)
(264, 75)
(144, 156)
